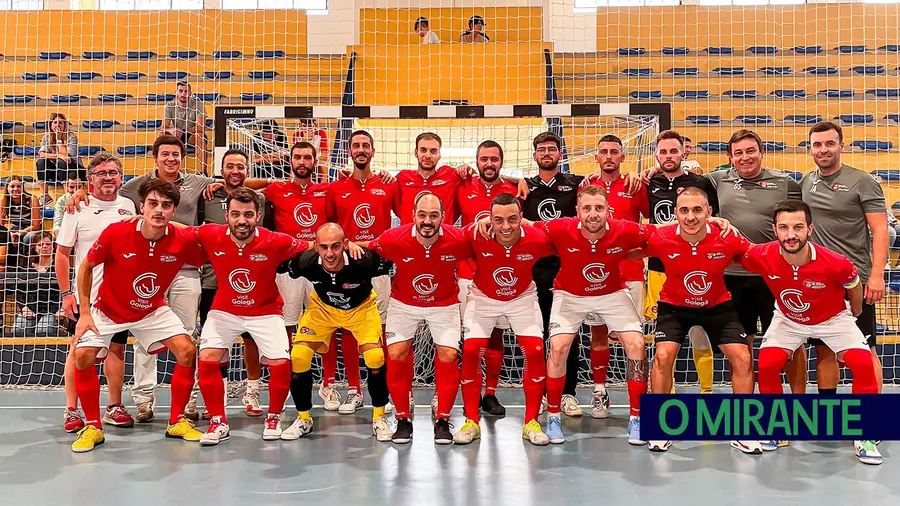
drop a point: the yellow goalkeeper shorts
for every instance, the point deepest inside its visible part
(655, 281)
(320, 320)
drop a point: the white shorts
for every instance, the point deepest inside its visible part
(295, 294)
(222, 330)
(615, 310)
(148, 332)
(403, 321)
(382, 287)
(465, 285)
(522, 314)
(840, 333)
(636, 292)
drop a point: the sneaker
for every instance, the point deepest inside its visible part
(388, 408)
(866, 451)
(469, 432)
(190, 411)
(600, 404)
(403, 433)
(570, 407)
(412, 406)
(442, 434)
(748, 447)
(382, 430)
(301, 427)
(145, 412)
(634, 431)
(89, 438)
(491, 405)
(434, 406)
(184, 429)
(251, 403)
(543, 407)
(533, 433)
(554, 430)
(272, 432)
(768, 446)
(118, 416)
(784, 442)
(330, 397)
(353, 402)
(72, 421)
(659, 446)
(217, 432)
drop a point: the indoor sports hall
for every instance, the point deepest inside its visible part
(95, 76)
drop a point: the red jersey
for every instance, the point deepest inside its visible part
(442, 183)
(695, 272)
(137, 272)
(425, 276)
(809, 294)
(363, 208)
(503, 273)
(246, 273)
(473, 201)
(626, 206)
(299, 210)
(592, 267)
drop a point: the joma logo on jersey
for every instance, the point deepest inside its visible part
(696, 284)
(145, 285)
(547, 210)
(240, 281)
(424, 284)
(304, 215)
(813, 284)
(793, 301)
(715, 255)
(362, 216)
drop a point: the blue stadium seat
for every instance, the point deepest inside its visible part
(892, 117)
(851, 49)
(884, 92)
(729, 71)
(873, 145)
(128, 177)
(821, 71)
(208, 97)
(10, 125)
(133, 150)
(209, 122)
(89, 150)
(868, 70)
(771, 146)
(684, 71)
(693, 94)
(855, 119)
(270, 53)
(217, 75)
(140, 55)
(160, 97)
(803, 144)
(99, 124)
(26, 179)
(796, 176)
(144, 124)
(762, 49)
(890, 48)
(740, 93)
(176, 75)
(887, 174)
(705, 120)
(638, 72)
(776, 71)
(47, 213)
(255, 97)
(719, 50)
(96, 55)
(53, 55)
(26, 150)
(227, 55)
(262, 74)
(190, 150)
(754, 119)
(38, 76)
(720, 147)
(675, 51)
(803, 119)
(632, 51)
(808, 49)
(183, 55)
(836, 93)
(113, 97)
(18, 99)
(645, 94)
(128, 76)
(790, 93)
(83, 76)
(66, 99)
(39, 125)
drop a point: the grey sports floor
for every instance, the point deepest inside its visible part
(343, 464)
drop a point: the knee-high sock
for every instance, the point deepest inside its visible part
(329, 363)
(493, 362)
(350, 350)
(399, 385)
(555, 388)
(637, 373)
(703, 358)
(860, 364)
(534, 377)
(301, 390)
(573, 362)
(770, 363)
(87, 385)
(377, 385)
(279, 386)
(213, 388)
(182, 384)
(446, 383)
(473, 349)
(599, 365)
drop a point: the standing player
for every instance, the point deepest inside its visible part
(143, 259)
(442, 181)
(245, 259)
(811, 282)
(504, 291)
(80, 231)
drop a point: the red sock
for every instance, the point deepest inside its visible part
(533, 380)
(182, 384)
(471, 377)
(329, 363)
(410, 364)
(555, 388)
(635, 389)
(770, 364)
(87, 384)
(399, 386)
(599, 364)
(350, 350)
(279, 386)
(860, 364)
(493, 362)
(446, 383)
(213, 388)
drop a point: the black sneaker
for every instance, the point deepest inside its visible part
(492, 406)
(403, 432)
(442, 434)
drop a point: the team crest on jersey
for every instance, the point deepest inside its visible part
(563, 188)
(813, 284)
(306, 331)
(258, 257)
(168, 258)
(547, 210)
(768, 184)
(595, 273)
(505, 277)
(793, 301)
(145, 285)
(362, 216)
(624, 195)
(125, 212)
(696, 283)
(319, 194)
(350, 286)
(612, 251)
(838, 187)
(448, 258)
(679, 190)
(304, 215)
(437, 182)
(524, 257)
(240, 281)
(664, 211)
(716, 255)
(424, 284)
(377, 191)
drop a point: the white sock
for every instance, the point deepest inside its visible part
(599, 387)
(253, 385)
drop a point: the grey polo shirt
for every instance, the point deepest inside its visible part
(748, 203)
(839, 204)
(214, 212)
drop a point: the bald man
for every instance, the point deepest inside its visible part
(342, 298)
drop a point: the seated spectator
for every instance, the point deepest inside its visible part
(59, 209)
(38, 310)
(58, 154)
(310, 132)
(691, 165)
(271, 149)
(20, 212)
(475, 33)
(185, 118)
(422, 29)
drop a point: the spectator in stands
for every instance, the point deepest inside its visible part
(59, 209)
(310, 132)
(475, 33)
(185, 118)
(37, 294)
(422, 29)
(271, 148)
(4, 246)
(691, 165)
(20, 212)
(58, 154)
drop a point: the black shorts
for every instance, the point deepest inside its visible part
(753, 302)
(866, 323)
(720, 323)
(117, 338)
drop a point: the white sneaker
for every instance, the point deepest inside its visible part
(353, 402)
(330, 397)
(543, 407)
(388, 408)
(867, 452)
(748, 447)
(600, 404)
(251, 403)
(301, 427)
(190, 411)
(412, 406)
(469, 432)
(659, 446)
(532, 432)
(570, 407)
(217, 432)
(272, 432)
(382, 430)
(434, 407)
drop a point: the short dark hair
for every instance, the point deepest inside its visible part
(826, 126)
(610, 138)
(236, 151)
(101, 158)
(168, 140)
(160, 187)
(792, 206)
(685, 138)
(695, 192)
(305, 145)
(183, 83)
(489, 144)
(360, 132)
(429, 136)
(670, 134)
(244, 195)
(421, 21)
(742, 135)
(506, 199)
(547, 137)
(593, 191)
